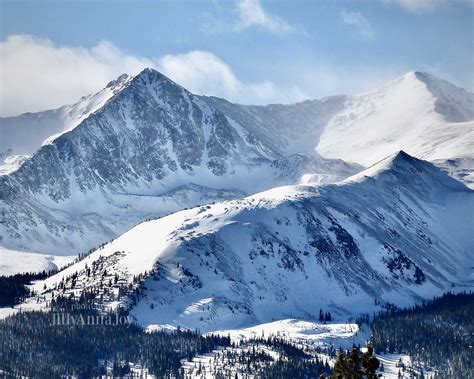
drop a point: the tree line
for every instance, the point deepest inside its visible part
(438, 334)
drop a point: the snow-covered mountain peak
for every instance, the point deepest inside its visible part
(125, 161)
(453, 103)
(152, 78)
(401, 167)
(399, 161)
(419, 113)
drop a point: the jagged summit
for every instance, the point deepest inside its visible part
(120, 80)
(399, 159)
(428, 78)
(451, 102)
(154, 78)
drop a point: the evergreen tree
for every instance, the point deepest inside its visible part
(356, 365)
(370, 363)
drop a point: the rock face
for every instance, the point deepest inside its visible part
(291, 129)
(397, 232)
(125, 163)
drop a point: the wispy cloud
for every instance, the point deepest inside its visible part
(251, 13)
(358, 21)
(248, 14)
(425, 6)
(204, 73)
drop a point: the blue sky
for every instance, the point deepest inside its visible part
(245, 50)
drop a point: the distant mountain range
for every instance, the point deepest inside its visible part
(147, 140)
(414, 112)
(144, 147)
(326, 232)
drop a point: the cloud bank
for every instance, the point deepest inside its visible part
(37, 74)
(202, 72)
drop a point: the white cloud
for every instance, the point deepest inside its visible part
(200, 71)
(36, 74)
(357, 20)
(424, 6)
(203, 73)
(246, 14)
(251, 13)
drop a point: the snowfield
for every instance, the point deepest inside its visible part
(14, 262)
(302, 332)
(427, 117)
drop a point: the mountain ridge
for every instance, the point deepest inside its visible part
(150, 137)
(310, 117)
(289, 251)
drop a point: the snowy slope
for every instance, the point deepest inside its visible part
(398, 232)
(419, 113)
(460, 168)
(13, 262)
(290, 129)
(152, 149)
(24, 134)
(425, 116)
(302, 332)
